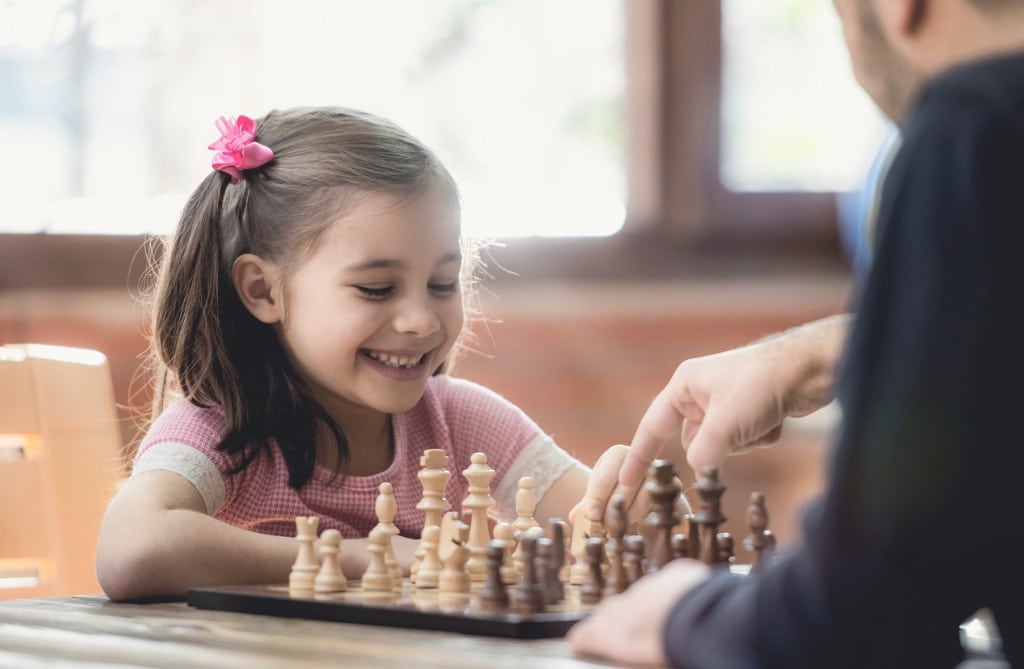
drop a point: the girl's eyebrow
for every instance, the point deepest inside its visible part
(385, 263)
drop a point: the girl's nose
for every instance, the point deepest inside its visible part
(417, 315)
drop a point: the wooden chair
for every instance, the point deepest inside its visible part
(60, 461)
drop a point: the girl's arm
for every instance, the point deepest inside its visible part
(563, 495)
(157, 541)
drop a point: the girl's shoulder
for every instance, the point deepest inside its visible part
(185, 422)
(464, 405)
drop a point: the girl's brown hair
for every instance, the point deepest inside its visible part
(207, 347)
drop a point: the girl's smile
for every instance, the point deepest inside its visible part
(400, 365)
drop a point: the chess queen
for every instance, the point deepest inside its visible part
(306, 310)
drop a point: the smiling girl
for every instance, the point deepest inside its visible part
(304, 312)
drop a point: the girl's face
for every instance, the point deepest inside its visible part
(376, 307)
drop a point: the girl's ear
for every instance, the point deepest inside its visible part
(256, 282)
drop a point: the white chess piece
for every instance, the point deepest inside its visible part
(330, 577)
(430, 566)
(454, 577)
(505, 533)
(434, 476)
(478, 475)
(386, 509)
(377, 578)
(306, 565)
(526, 504)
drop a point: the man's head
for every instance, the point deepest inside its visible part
(897, 45)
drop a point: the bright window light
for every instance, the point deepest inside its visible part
(109, 105)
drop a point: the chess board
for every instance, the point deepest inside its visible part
(412, 608)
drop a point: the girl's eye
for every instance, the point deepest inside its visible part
(375, 292)
(445, 287)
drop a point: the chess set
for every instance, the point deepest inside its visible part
(523, 582)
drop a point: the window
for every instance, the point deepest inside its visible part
(793, 116)
(112, 102)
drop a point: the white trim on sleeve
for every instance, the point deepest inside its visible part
(189, 463)
(543, 461)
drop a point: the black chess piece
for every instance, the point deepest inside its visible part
(528, 596)
(547, 572)
(633, 558)
(593, 588)
(680, 546)
(558, 538)
(493, 594)
(615, 524)
(710, 515)
(760, 541)
(663, 489)
(726, 549)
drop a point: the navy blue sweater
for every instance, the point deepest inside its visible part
(924, 501)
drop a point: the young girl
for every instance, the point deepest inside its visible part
(305, 309)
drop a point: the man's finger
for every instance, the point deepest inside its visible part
(660, 421)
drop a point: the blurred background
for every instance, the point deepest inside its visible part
(658, 179)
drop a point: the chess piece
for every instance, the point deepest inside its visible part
(663, 490)
(330, 577)
(433, 476)
(558, 538)
(614, 547)
(760, 542)
(527, 597)
(386, 509)
(493, 594)
(526, 504)
(582, 531)
(306, 566)
(506, 534)
(454, 576)
(633, 558)
(726, 549)
(547, 572)
(593, 588)
(430, 566)
(478, 475)
(450, 523)
(710, 515)
(692, 535)
(377, 578)
(680, 546)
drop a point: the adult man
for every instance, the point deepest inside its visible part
(921, 511)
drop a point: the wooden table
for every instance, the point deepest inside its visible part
(92, 632)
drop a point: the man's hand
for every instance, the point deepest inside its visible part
(630, 627)
(726, 403)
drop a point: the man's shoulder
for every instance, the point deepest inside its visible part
(983, 89)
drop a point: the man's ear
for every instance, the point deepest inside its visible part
(257, 283)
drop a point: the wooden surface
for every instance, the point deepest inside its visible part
(91, 632)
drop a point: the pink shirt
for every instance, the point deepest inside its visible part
(456, 415)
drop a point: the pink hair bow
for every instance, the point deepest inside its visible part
(237, 148)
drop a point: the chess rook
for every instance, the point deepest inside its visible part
(306, 566)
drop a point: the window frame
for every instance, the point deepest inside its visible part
(680, 219)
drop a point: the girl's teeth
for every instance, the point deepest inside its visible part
(395, 361)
